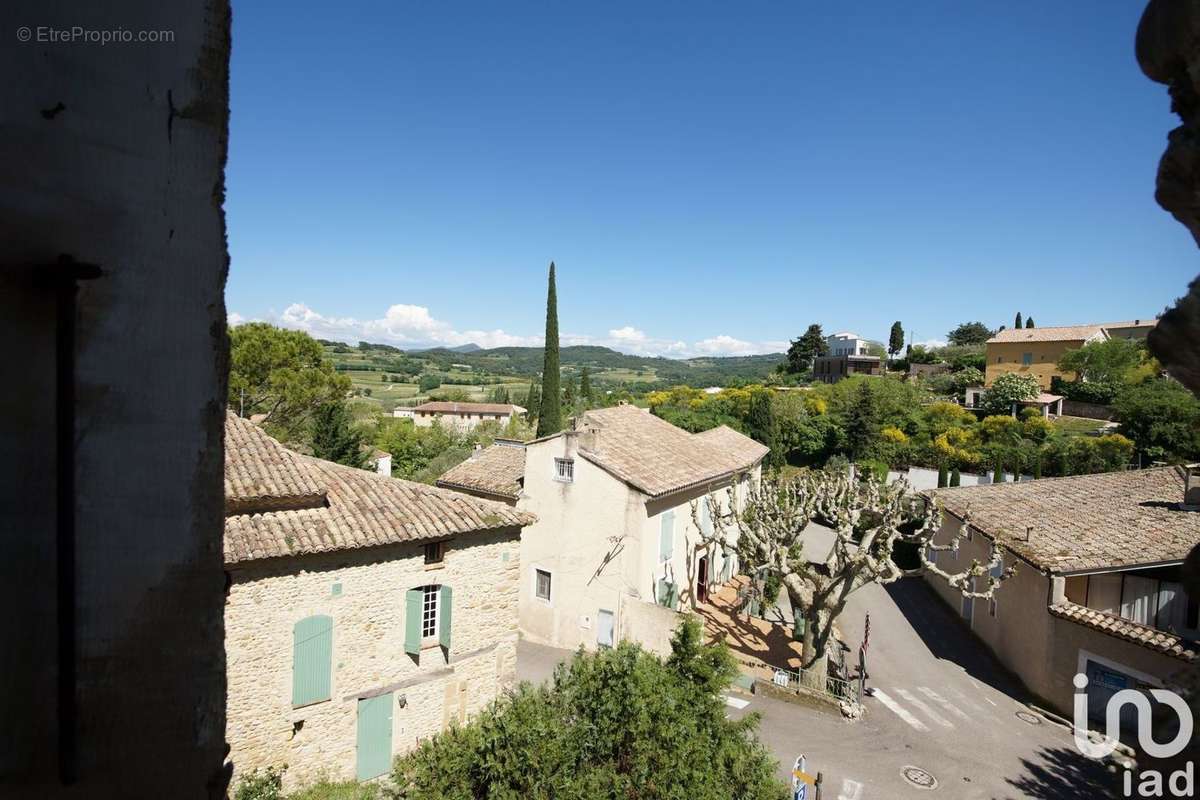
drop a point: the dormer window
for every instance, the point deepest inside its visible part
(564, 470)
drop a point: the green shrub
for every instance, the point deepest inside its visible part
(343, 790)
(955, 478)
(261, 784)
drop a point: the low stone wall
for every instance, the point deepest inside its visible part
(1076, 408)
(648, 624)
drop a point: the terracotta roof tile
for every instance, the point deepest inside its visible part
(281, 503)
(1085, 522)
(496, 470)
(444, 407)
(1148, 637)
(658, 458)
(1065, 333)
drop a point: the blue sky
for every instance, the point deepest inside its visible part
(709, 177)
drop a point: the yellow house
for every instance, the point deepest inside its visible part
(1035, 351)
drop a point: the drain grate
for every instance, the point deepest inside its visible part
(919, 778)
(1032, 719)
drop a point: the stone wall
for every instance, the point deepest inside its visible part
(1077, 408)
(268, 598)
(114, 155)
(648, 624)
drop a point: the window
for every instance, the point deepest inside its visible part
(429, 611)
(435, 552)
(1026, 358)
(312, 659)
(541, 584)
(996, 573)
(564, 470)
(666, 541)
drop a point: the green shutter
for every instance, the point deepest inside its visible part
(445, 603)
(665, 593)
(374, 748)
(412, 621)
(666, 542)
(312, 659)
(673, 598)
(705, 519)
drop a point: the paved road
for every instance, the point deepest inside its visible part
(941, 704)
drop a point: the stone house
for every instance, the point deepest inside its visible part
(493, 473)
(363, 613)
(1098, 587)
(615, 551)
(461, 416)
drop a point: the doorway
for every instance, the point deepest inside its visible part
(374, 751)
(702, 579)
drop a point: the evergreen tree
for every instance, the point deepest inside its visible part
(334, 438)
(998, 472)
(532, 401)
(896, 339)
(585, 386)
(1017, 323)
(763, 426)
(943, 476)
(569, 393)
(550, 413)
(861, 422)
(1029, 322)
(955, 477)
(803, 350)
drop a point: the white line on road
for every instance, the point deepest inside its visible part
(736, 702)
(968, 702)
(851, 790)
(899, 710)
(943, 702)
(924, 708)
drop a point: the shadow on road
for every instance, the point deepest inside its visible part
(1060, 773)
(948, 638)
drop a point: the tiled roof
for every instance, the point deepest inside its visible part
(443, 407)
(1084, 522)
(344, 508)
(658, 458)
(1148, 637)
(1066, 333)
(1133, 323)
(496, 470)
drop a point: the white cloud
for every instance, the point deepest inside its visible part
(930, 343)
(412, 326)
(234, 318)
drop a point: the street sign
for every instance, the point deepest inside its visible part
(801, 780)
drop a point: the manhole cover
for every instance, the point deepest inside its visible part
(919, 778)
(1032, 719)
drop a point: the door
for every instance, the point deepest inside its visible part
(1103, 683)
(702, 579)
(604, 628)
(374, 736)
(968, 608)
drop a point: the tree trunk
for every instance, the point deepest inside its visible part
(813, 657)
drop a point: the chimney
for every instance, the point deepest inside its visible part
(1191, 488)
(478, 449)
(383, 465)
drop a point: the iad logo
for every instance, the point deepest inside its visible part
(1150, 782)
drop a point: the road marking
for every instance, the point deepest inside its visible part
(851, 790)
(943, 702)
(968, 702)
(990, 700)
(736, 702)
(899, 710)
(924, 708)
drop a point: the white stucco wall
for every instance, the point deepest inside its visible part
(268, 598)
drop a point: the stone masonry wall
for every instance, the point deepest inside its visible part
(268, 598)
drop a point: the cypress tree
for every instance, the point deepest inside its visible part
(550, 414)
(334, 438)
(896, 339)
(762, 425)
(955, 478)
(1017, 322)
(569, 393)
(1029, 322)
(585, 386)
(532, 401)
(998, 472)
(943, 479)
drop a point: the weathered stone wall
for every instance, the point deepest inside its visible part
(648, 624)
(113, 154)
(268, 598)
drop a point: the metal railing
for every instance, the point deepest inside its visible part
(801, 679)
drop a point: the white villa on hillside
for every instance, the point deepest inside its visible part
(463, 416)
(615, 551)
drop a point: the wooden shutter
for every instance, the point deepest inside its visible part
(666, 542)
(445, 602)
(412, 621)
(312, 659)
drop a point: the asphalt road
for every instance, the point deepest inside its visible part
(941, 705)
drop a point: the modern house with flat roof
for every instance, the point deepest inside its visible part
(1097, 590)
(363, 613)
(616, 551)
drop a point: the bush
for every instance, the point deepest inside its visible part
(429, 382)
(264, 784)
(1009, 388)
(1097, 392)
(342, 790)
(873, 468)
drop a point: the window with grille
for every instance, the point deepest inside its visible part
(564, 469)
(541, 584)
(429, 611)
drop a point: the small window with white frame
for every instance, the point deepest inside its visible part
(541, 584)
(564, 470)
(429, 611)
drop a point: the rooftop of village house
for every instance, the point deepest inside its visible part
(281, 503)
(1085, 522)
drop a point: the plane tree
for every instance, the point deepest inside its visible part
(869, 521)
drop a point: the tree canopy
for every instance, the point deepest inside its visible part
(802, 351)
(616, 723)
(1162, 418)
(334, 437)
(281, 373)
(896, 339)
(970, 333)
(1107, 361)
